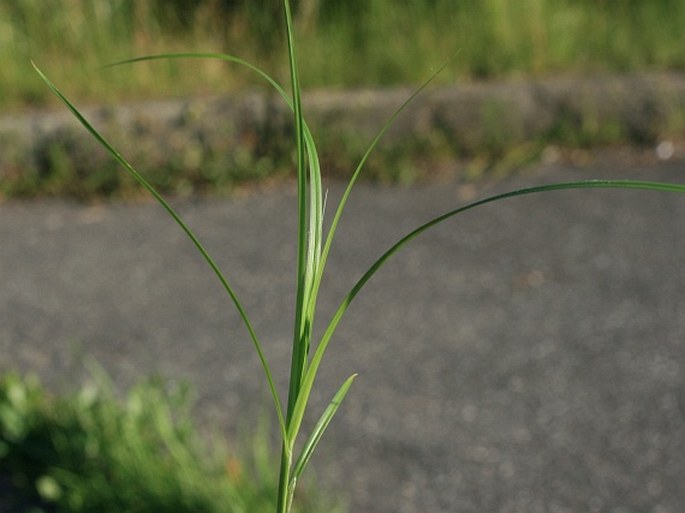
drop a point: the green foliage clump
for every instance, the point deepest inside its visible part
(91, 452)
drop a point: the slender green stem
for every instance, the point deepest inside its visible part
(305, 261)
(284, 498)
(299, 353)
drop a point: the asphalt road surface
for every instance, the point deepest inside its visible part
(528, 356)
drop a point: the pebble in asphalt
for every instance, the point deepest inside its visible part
(527, 357)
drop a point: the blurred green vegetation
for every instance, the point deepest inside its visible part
(96, 452)
(341, 42)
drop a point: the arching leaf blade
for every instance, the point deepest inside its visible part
(186, 229)
(372, 146)
(316, 359)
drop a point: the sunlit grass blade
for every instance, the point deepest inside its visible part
(588, 184)
(316, 359)
(320, 427)
(307, 245)
(174, 215)
(204, 55)
(307, 291)
(350, 185)
(309, 140)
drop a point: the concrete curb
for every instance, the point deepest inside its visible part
(210, 135)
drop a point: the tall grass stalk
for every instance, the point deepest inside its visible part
(313, 249)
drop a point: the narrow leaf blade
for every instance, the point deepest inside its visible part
(186, 229)
(310, 376)
(321, 426)
(372, 146)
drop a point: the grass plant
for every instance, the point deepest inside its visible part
(314, 246)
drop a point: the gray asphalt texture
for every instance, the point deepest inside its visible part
(527, 356)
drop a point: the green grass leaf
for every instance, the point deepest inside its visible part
(175, 216)
(320, 427)
(310, 376)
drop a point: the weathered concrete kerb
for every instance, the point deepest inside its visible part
(246, 132)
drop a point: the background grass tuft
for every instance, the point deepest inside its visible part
(94, 452)
(342, 43)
